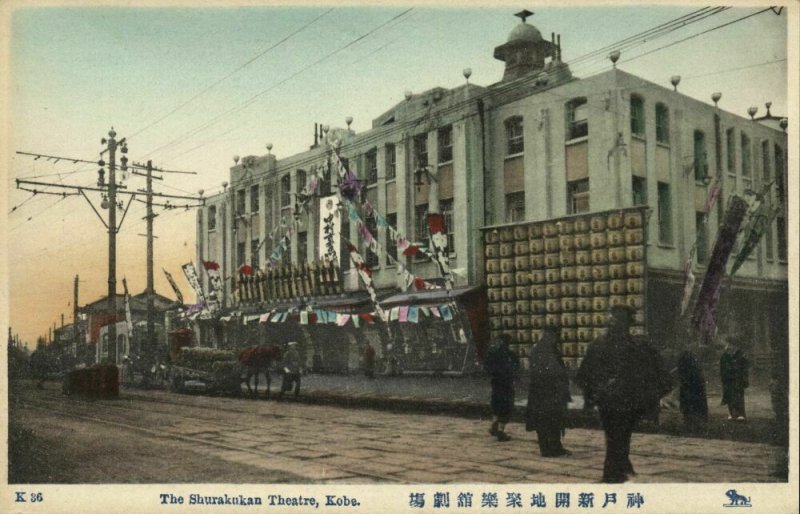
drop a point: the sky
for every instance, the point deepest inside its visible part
(191, 87)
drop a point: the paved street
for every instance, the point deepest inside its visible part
(158, 436)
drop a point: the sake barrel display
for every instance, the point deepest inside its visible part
(493, 280)
(492, 251)
(520, 233)
(506, 250)
(568, 288)
(615, 238)
(522, 247)
(536, 246)
(565, 226)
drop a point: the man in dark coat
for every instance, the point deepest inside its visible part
(548, 395)
(625, 377)
(291, 370)
(501, 363)
(693, 399)
(733, 372)
(369, 361)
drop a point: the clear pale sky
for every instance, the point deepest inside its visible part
(76, 71)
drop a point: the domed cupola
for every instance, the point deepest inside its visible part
(525, 51)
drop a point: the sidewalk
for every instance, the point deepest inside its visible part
(469, 396)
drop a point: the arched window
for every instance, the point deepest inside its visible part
(515, 142)
(637, 115)
(662, 124)
(577, 118)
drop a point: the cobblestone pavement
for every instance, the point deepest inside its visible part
(328, 444)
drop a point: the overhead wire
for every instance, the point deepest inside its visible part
(230, 74)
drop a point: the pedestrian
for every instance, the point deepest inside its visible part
(625, 377)
(733, 372)
(291, 370)
(369, 361)
(692, 392)
(548, 395)
(501, 363)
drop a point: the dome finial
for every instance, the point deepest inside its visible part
(523, 14)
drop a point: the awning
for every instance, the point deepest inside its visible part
(431, 296)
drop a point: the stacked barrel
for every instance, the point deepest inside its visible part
(565, 273)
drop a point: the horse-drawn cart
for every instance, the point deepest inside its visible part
(205, 369)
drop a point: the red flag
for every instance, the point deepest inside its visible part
(210, 265)
(436, 223)
(367, 317)
(411, 251)
(350, 247)
(246, 269)
(419, 284)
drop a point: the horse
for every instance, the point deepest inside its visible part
(258, 359)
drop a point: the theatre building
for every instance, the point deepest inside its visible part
(561, 196)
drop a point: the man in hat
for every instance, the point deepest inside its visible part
(733, 372)
(625, 377)
(501, 363)
(291, 370)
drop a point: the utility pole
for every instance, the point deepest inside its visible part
(112, 240)
(150, 321)
(75, 330)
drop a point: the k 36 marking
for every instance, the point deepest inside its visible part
(31, 497)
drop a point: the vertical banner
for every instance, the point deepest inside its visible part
(330, 235)
(214, 285)
(705, 310)
(439, 243)
(175, 289)
(191, 277)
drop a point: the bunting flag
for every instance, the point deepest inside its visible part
(760, 220)
(191, 277)
(366, 277)
(128, 318)
(172, 283)
(704, 315)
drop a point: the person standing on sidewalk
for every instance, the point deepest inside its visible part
(548, 395)
(625, 377)
(369, 361)
(501, 363)
(733, 372)
(291, 370)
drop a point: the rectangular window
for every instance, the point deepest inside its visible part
(639, 189)
(254, 260)
(514, 136)
(301, 180)
(254, 198)
(446, 207)
(747, 163)
(391, 162)
(769, 241)
(730, 141)
(446, 144)
(268, 210)
(240, 200)
(344, 252)
(664, 214)
(780, 223)
(765, 171)
(302, 247)
(286, 191)
(372, 167)
(421, 150)
(637, 116)
(241, 248)
(372, 258)
(662, 124)
(701, 233)
(577, 118)
(700, 162)
(779, 175)
(391, 243)
(421, 223)
(515, 207)
(212, 217)
(578, 196)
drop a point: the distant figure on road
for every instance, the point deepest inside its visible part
(369, 361)
(625, 377)
(693, 399)
(548, 395)
(291, 370)
(733, 372)
(40, 367)
(501, 363)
